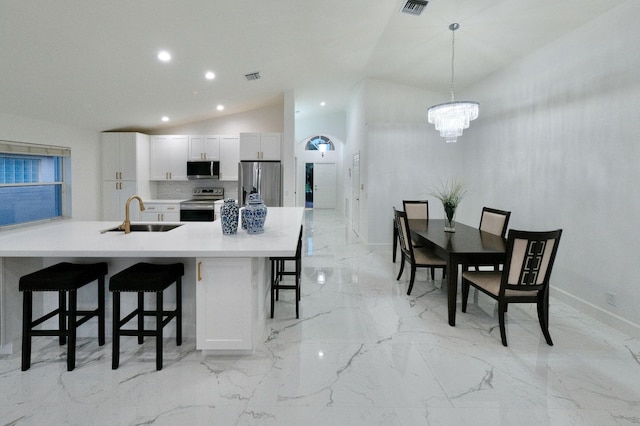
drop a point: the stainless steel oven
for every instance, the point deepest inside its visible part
(201, 207)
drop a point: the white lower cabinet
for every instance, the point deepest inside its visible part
(160, 212)
(225, 300)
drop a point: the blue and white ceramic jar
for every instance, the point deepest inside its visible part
(255, 214)
(229, 216)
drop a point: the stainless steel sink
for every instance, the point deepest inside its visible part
(146, 227)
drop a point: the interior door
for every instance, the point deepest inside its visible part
(324, 185)
(355, 194)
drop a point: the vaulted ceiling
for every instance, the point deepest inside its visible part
(93, 63)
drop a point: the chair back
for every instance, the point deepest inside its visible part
(529, 260)
(416, 209)
(402, 225)
(494, 221)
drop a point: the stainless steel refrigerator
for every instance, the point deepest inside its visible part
(263, 177)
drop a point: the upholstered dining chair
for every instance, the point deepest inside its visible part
(524, 279)
(415, 209)
(416, 257)
(494, 221)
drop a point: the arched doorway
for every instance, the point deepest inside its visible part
(320, 175)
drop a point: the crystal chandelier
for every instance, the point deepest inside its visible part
(453, 117)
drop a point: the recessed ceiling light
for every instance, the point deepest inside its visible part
(165, 118)
(164, 56)
(323, 103)
(209, 75)
(220, 107)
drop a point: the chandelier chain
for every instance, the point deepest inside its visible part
(453, 28)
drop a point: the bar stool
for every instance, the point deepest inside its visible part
(64, 278)
(141, 278)
(278, 271)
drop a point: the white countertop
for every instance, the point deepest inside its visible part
(71, 238)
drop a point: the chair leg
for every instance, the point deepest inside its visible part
(140, 316)
(401, 268)
(543, 316)
(502, 308)
(179, 311)
(101, 311)
(159, 307)
(395, 241)
(297, 277)
(27, 298)
(465, 294)
(115, 355)
(71, 346)
(274, 275)
(413, 277)
(62, 317)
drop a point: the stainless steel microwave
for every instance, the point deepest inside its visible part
(203, 169)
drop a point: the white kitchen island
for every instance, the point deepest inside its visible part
(226, 280)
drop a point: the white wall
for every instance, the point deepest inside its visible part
(356, 143)
(268, 119)
(86, 167)
(332, 125)
(405, 156)
(556, 143)
(558, 146)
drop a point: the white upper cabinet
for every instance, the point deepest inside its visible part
(125, 172)
(229, 157)
(204, 148)
(260, 146)
(169, 155)
(119, 159)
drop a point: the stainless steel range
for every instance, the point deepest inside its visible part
(201, 207)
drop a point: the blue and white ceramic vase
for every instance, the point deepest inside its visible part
(255, 213)
(242, 221)
(229, 216)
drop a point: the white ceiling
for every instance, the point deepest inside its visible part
(92, 63)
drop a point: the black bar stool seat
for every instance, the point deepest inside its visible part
(65, 278)
(142, 278)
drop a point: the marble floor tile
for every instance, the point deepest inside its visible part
(362, 353)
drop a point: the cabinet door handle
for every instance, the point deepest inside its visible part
(199, 276)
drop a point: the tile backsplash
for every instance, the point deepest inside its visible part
(174, 190)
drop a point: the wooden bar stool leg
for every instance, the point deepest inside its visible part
(274, 275)
(159, 307)
(101, 312)
(71, 347)
(179, 311)
(140, 316)
(27, 298)
(115, 356)
(62, 316)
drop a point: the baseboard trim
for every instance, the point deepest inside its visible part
(608, 318)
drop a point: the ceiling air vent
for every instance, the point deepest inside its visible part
(414, 7)
(253, 76)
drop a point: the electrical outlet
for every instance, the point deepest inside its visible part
(611, 298)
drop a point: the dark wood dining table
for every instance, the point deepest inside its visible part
(465, 246)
